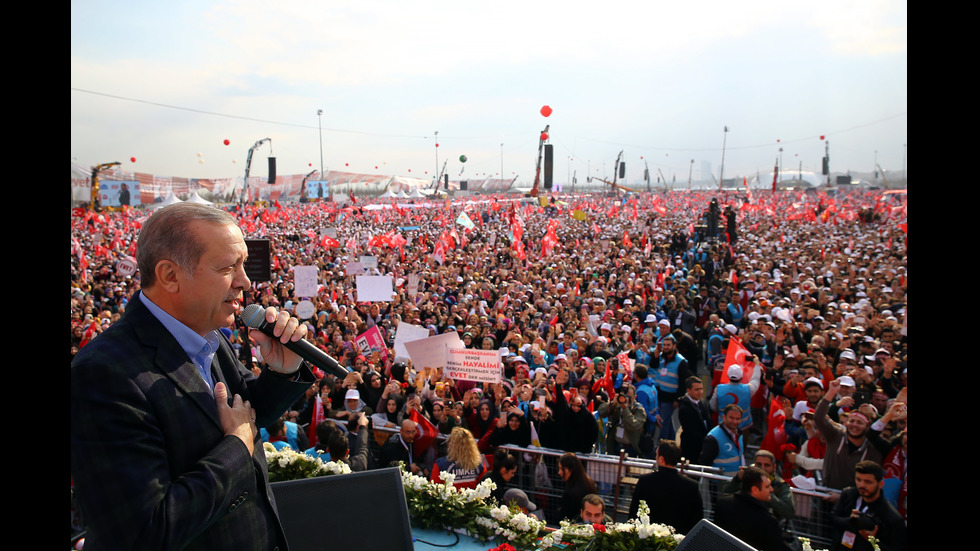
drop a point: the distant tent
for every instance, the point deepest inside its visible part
(169, 200)
(388, 194)
(195, 198)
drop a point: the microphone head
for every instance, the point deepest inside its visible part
(253, 316)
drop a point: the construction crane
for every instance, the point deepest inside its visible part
(613, 185)
(882, 172)
(94, 201)
(303, 193)
(537, 168)
(248, 165)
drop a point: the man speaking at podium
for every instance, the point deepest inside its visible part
(164, 440)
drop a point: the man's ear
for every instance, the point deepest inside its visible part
(168, 275)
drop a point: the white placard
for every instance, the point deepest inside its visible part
(413, 285)
(353, 268)
(374, 288)
(369, 261)
(407, 333)
(305, 280)
(431, 352)
(305, 310)
(467, 364)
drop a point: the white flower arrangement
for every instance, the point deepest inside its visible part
(288, 464)
(638, 533)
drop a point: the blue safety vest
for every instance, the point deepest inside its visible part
(729, 457)
(735, 393)
(667, 377)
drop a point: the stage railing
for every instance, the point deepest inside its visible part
(616, 476)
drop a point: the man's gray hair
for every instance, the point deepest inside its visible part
(166, 235)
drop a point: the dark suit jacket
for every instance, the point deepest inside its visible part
(749, 520)
(150, 462)
(673, 498)
(696, 422)
(393, 450)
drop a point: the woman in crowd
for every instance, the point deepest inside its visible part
(462, 460)
(578, 484)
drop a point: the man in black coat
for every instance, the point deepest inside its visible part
(401, 447)
(863, 511)
(165, 451)
(695, 418)
(673, 498)
(746, 515)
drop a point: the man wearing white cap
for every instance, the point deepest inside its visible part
(737, 392)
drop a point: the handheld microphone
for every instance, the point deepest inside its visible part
(254, 317)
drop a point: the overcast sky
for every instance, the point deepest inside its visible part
(167, 82)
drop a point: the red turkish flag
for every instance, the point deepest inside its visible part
(738, 354)
(427, 432)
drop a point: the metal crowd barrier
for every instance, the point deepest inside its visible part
(616, 478)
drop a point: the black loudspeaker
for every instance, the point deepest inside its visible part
(365, 510)
(445, 181)
(713, 212)
(826, 165)
(464, 185)
(258, 266)
(549, 165)
(272, 170)
(622, 170)
(706, 536)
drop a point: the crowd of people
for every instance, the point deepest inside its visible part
(616, 317)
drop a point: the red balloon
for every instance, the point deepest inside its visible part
(544, 136)
(546, 111)
(309, 164)
(409, 170)
(227, 141)
(821, 136)
(346, 164)
(437, 145)
(132, 159)
(375, 167)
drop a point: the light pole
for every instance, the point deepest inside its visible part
(319, 126)
(437, 160)
(569, 177)
(690, 174)
(780, 165)
(721, 174)
(501, 164)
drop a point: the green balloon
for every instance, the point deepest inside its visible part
(462, 158)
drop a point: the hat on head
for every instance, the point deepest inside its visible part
(813, 381)
(735, 372)
(514, 495)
